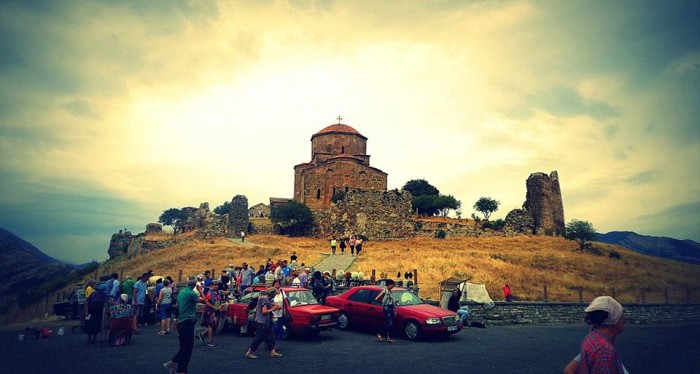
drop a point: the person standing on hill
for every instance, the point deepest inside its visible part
(242, 236)
(334, 243)
(506, 293)
(187, 318)
(351, 243)
(358, 246)
(342, 246)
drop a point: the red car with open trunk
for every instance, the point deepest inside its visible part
(305, 316)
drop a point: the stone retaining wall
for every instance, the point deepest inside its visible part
(551, 312)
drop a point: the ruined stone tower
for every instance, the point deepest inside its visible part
(544, 203)
(339, 162)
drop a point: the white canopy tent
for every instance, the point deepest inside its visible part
(470, 292)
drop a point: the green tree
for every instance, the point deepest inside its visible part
(224, 208)
(425, 205)
(486, 206)
(292, 219)
(580, 231)
(420, 187)
(445, 203)
(171, 216)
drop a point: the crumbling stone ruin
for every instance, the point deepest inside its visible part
(374, 214)
(544, 203)
(238, 219)
(154, 228)
(520, 221)
(119, 244)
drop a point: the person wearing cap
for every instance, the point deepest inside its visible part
(187, 317)
(598, 353)
(263, 319)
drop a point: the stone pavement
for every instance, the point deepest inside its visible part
(338, 262)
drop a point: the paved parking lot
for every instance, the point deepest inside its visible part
(508, 349)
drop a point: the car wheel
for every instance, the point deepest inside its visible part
(411, 330)
(343, 321)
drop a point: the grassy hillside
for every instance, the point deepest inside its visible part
(526, 263)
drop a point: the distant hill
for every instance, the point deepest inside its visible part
(675, 249)
(21, 262)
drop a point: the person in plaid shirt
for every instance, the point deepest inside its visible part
(598, 353)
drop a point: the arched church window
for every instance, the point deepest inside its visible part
(347, 188)
(333, 190)
(318, 194)
(342, 149)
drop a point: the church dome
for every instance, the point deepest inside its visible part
(338, 127)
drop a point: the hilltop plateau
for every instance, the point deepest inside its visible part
(526, 263)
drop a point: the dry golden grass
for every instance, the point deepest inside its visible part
(526, 263)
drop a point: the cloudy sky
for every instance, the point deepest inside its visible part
(111, 112)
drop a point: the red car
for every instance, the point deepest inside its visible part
(304, 314)
(414, 318)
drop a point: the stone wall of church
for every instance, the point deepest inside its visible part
(374, 214)
(320, 183)
(333, 144)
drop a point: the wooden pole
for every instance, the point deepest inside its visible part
(546, 298)
(666, 295)
(415, 277)
(179, 277)
(644, 296)
(373, 278)
(580, 294)
(613, 293)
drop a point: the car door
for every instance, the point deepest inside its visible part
(362, 308)
(375, 312)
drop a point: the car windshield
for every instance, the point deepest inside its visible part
(301, 297)
(405, 297)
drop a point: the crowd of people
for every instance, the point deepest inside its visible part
(167, 303)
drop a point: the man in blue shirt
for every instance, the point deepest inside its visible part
(207, 281)
(140, 289)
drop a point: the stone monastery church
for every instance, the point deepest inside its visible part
(339, 163)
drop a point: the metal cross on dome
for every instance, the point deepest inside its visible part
(339, 119)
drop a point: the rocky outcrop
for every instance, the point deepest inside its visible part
(119, 244)
(374, 214)
(154, 228)
(238, 219)
(544, 203)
